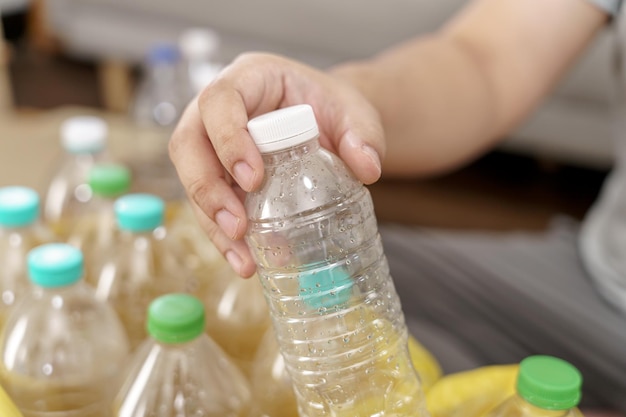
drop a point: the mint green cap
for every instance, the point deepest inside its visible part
(549, 383)
(55, 265)
(109, 180)
(19, 206)
(325, 288)
(139, 212)
(176, 318)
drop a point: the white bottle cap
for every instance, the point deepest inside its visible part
(199, 43)
(283, 128)
(84, 134)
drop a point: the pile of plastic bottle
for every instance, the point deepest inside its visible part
(115, 304)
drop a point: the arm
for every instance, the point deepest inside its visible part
(428, 105)
(448, 97)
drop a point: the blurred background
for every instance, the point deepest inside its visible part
(106, 57)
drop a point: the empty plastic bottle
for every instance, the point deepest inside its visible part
(546, 387)
(179, 370)
(20, 231)
(84, 140)
(158, 104)
(272, 389)
(95, 228)
(62, 350)
(334, 307)
(141, 264)
(200, 47)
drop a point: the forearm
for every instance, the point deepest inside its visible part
(445, 98)
(437, 107)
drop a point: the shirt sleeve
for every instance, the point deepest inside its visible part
(612, 7)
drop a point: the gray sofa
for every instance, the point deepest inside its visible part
(571, 126)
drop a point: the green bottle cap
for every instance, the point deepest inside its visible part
(325, 288)
(19, 206)
(549, 383)
(139, 212)
(175, 318)
(109, 180)
(55, 265)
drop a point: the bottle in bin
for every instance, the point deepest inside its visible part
(20, 231)
(272, 389)
(237, 315)
(179, 370)
(84, 140)
(335, 310)
(95, 228)
(142, 264)
(61, 350)
(546, 387)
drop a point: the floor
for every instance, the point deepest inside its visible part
(499, 191)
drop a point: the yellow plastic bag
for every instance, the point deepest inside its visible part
(472, 393)
(7, 408)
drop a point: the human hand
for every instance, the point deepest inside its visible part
(218, 162)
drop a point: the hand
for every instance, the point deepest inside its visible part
(218, 162)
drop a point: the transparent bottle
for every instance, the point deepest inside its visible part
(95, 228)
(335, 310)
(179, 370)
(84, 140)
(141, 265)
(20, 231)
(272, 389)
(62, 350)
(546, 387)
(200, 47)
(159, 101)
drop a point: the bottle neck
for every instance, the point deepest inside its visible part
(293, 153)
(529, 409)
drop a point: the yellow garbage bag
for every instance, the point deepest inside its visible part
(7, 408)
(472, 393)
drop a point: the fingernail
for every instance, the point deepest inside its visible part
(228, 222)
(234, 260)
(373, 155)
(244, 174)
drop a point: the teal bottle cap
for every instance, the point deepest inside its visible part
(55, 265)
(549, 383)
(109, 180)
(19, 206)
(139, 212)
(175, 318)
(325, 288)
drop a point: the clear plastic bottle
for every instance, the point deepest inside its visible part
(200, 47)
(272, 389)
(20, 231)
(179, 370)
(158, 104)
(237, 316)
(334, 307)
(546, 387)
(62, 350)
(94, 230)
(84, 140)
(236, 311)
(141, 265)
